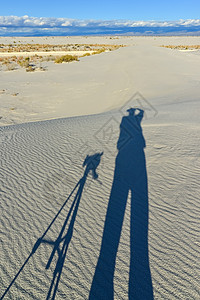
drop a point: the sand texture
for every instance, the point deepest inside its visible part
(125, 224)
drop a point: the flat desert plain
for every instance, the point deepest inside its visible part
(97, 202)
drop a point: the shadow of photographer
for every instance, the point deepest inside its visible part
(130, 175)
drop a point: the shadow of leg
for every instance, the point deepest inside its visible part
(102, 285)
(140, 284)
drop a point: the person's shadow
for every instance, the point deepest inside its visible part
(130, 175)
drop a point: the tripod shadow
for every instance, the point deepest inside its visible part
(130, 175)
(61, 244)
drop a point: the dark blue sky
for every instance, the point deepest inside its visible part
(104, 9)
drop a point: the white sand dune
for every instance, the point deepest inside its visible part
(102, 82)
(41, 164)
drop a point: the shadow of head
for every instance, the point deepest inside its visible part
(91, 163)
(135, 111)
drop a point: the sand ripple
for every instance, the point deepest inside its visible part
(41, 163)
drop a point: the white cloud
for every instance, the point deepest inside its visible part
(25, 25)
(26, 21)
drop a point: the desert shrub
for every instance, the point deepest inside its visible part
(10, 66)
(66, 58)
(99, 51)
(13, 58)
(30, 69)
(24, 63)
(40, 68)
(49, 58)
(5, 61)
(86, 54)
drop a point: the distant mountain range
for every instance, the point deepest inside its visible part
(33, 26)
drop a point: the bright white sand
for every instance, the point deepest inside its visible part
(41, 162)
(42, 53)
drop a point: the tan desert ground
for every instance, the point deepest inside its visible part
(79, 217)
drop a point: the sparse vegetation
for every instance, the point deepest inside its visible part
(86, 54)
(30, 69)
(11, 66)
(66, 58)
(99, 51)
(41, 68)
(18, 47)
(33, 62)
(24, 62)
(182, 47)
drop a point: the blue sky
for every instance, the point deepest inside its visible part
(104, 10)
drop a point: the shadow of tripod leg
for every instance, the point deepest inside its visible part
(66, 241)
(59, 239)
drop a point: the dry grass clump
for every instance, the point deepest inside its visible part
(182, 47)
(24, 62)
(30, 68)
(99, 51)
(10, 66)
(86, 54)
(48, 58)
(66, 58)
